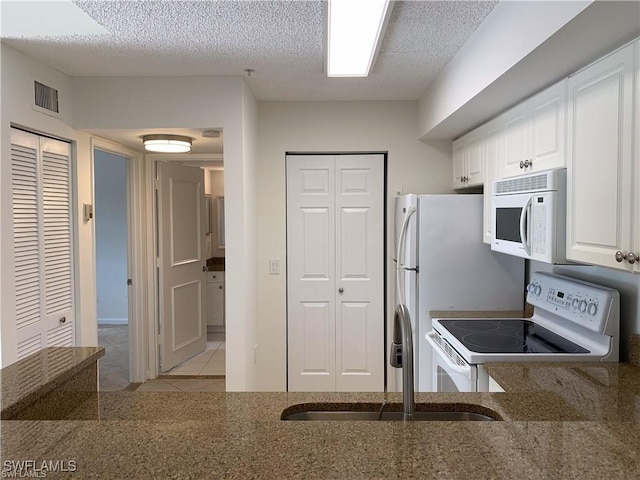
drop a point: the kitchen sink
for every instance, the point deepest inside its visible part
(372, 412)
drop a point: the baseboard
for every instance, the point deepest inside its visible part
(215, 329)
(113, 321)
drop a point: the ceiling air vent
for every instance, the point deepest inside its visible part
(46, 99)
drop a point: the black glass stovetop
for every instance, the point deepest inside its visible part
(509, 336)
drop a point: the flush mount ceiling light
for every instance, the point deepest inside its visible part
(354, 32)
(167, 143)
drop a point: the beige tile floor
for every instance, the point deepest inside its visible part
(209, 362)
(114, 366)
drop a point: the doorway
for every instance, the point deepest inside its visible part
(112, 234)
(210, 360)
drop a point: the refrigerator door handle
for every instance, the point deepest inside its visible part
(401, 239)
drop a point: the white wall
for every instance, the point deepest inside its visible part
(197, 102)
(510, 32)
(111, 235)
(627, 284)
(18, 73)
(413, 167)
(217, 190)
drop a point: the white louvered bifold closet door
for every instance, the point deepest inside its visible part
(42, 236)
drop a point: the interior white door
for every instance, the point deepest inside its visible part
(359, 273)
(335, 264)
(42, 242)
(311, 280)
(181, 244)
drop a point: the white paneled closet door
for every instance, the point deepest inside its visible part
(335, 261)
(42, 239)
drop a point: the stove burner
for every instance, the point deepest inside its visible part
(494, 341)
(477, 325)
(508, 336)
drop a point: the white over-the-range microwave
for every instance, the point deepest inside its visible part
(529, 216)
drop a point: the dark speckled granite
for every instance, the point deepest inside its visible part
(634, 350)
(49, 384)
(560, 421)
(216, 264)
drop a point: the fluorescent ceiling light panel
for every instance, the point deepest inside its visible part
(29, 18)
(355, 27)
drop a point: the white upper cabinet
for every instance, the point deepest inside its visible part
(602, 165)
(468, 159)
(533, 134)
(475, 163)
(492, 134)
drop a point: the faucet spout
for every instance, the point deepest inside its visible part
(402, 320)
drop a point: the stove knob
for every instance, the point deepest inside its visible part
(582, 306)
(592, 308)
(537, 290)
(574, 304)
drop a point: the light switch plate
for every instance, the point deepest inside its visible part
(274, 266)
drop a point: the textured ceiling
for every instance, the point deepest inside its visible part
(282, 41)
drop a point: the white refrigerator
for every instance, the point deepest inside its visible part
(446, 266)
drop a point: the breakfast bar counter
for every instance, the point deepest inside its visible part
(558, 421)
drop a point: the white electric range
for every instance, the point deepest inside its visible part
(572, 321)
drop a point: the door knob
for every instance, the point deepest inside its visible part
(340, 290)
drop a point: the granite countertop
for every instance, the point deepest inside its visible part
(560, 421)
(24, 382)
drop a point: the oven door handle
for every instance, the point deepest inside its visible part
(524, 214)
(466, 370)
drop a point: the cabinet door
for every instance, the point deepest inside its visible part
(475, 158)
(599, 163)
(490, 174)
(459, 163)
(514, 141)
(215, 299)
(548, 128)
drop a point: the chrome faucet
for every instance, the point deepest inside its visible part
(402, 357)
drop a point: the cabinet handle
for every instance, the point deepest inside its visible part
(220, 287)
(63, 320)
(632, 257)
(521, 164)
(205, 268)
(340, 290)
(621, 256)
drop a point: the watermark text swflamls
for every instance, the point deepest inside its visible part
(36, 468)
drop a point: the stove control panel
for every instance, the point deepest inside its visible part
(581, 302)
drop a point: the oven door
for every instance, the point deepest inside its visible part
(451, 373)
